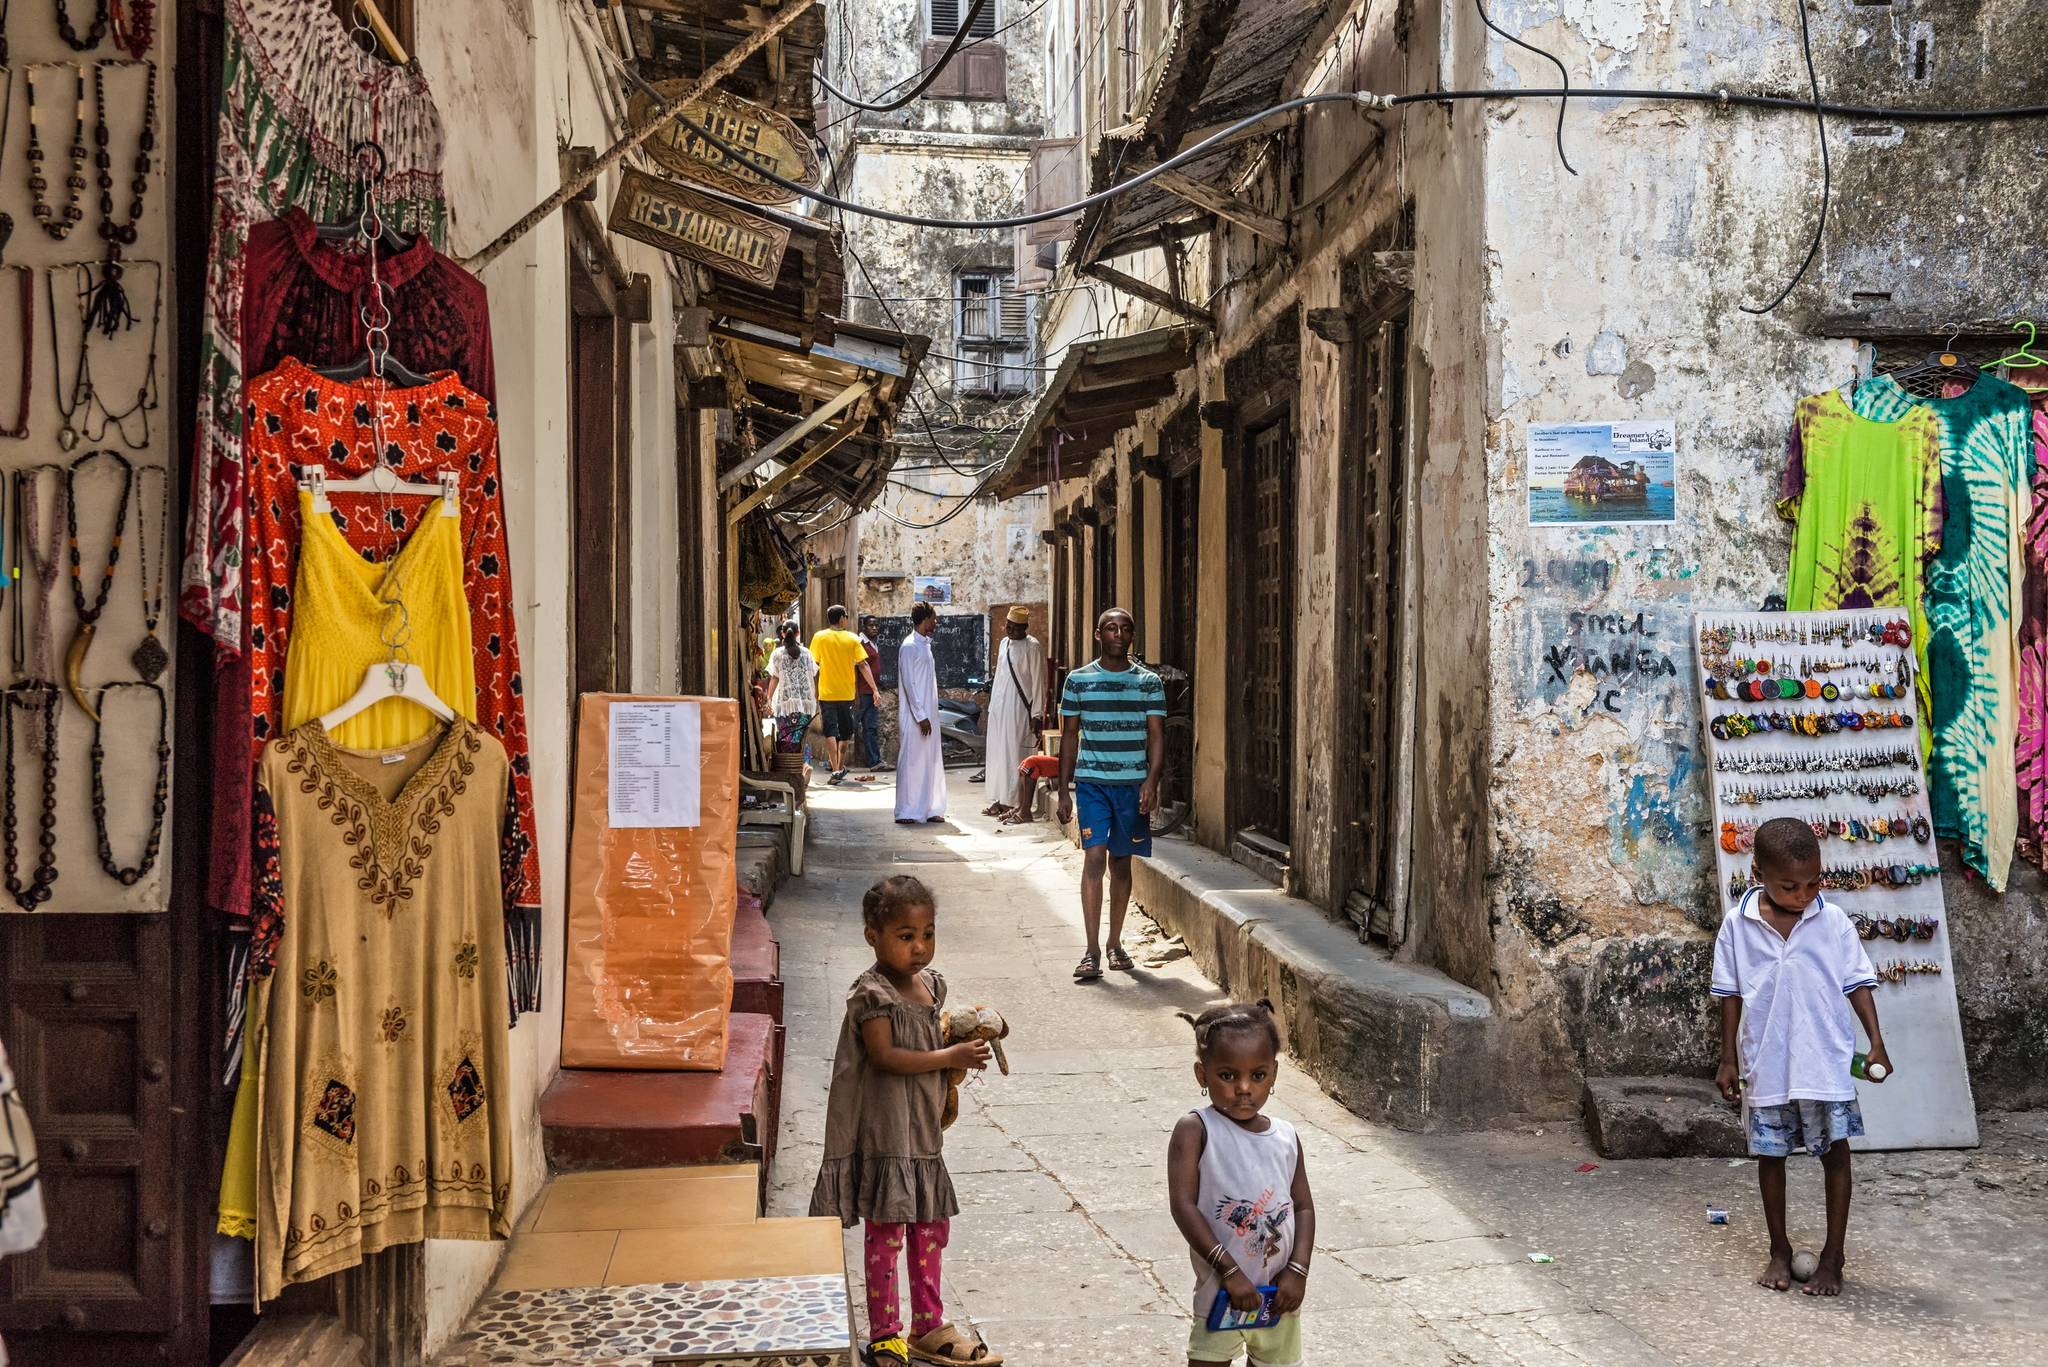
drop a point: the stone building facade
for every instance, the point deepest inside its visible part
(1466, 741)
(961, 152)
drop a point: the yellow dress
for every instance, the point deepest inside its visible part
(338, 620)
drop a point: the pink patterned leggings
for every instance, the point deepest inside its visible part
(884, 1245)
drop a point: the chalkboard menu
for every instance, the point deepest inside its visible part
(959, 648)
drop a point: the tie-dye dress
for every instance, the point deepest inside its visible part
(1974, 589)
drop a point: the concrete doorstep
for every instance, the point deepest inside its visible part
(1395, 1043)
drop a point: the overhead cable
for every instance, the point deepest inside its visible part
(925, 78)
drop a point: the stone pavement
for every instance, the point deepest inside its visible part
(1064, 1253)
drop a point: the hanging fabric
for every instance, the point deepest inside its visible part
(442, 426)
(1865, 501)
(2031, 751)
(1974, 588)
(21, 1193)
(379, 1039)
(296, 97)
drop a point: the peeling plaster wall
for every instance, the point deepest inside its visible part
(1616, 294)
(875, 44)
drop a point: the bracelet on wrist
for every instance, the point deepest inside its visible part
(1297, 1267)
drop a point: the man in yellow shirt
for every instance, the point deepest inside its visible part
(841, 659)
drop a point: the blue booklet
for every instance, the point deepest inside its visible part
(1223, 1315)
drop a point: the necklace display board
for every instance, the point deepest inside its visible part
(87, 296)
(1816, 715)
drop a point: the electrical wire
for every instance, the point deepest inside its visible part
(925, 77)
(1562, 74)
(858, 107)
(1827, 175)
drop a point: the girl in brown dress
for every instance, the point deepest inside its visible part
(882, 1127)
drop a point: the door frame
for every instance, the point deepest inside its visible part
(1388, 920)
(600, 474)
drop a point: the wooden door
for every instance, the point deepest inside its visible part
(1371, 630)
(1264, 629)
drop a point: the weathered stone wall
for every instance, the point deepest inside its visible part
(877, 44)
(1618, 293)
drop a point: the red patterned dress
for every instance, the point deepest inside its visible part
(295, 419)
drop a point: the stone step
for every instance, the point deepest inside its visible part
(594, 1119)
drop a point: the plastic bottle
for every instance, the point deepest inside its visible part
(1860, 1066)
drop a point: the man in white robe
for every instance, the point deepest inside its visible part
(921, 752)
(1016, 702)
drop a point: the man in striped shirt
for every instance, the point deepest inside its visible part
(1111, 745)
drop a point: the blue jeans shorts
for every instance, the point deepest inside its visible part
(1816, 1126)
(1109, 817)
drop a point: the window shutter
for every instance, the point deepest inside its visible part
(1053, 178)
(983, 72)
(947, 15)
(1016, 313)
(950, 83)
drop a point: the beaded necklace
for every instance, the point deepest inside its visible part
(150, 658)
(57, 225)
(32, 694)
(88, 614)
(101, 18)
(129, 877)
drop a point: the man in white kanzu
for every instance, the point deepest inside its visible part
(1016, 702)
(921, 752)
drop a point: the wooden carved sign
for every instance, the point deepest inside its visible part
(677, 219)
(763, 138)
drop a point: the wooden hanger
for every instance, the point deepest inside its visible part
(387, 38)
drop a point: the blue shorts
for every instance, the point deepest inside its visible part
(1816, 1126)
(1108, 816)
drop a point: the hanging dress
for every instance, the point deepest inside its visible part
(381, 1053)
(1864, 498)
(2032, 746)
(303, 299)
(337, 637)
(296, 98)
(295, 417)
(1974, 588)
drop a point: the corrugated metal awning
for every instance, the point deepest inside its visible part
(1099, 390)
(782, 385)
(1227, 59)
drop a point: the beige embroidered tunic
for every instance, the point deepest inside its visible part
(380, 1034)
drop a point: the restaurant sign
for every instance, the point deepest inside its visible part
(677, 219)
(763, 139)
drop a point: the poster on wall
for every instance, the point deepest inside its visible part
(936, 589)
(1814, 715)
(1603, 473)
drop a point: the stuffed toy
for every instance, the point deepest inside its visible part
(957, 1025)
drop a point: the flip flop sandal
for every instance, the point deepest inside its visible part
(1088, 970)
(889, 1352)
(1121, 961)
(946, 1344)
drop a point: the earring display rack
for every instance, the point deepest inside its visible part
(1816, 715)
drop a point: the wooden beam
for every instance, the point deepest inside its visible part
(817, 418)
(1223, 204)
(1151, 294)
(788, 473)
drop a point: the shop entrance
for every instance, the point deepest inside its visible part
(1262, 385)
(1103, 545)
(1371, 627)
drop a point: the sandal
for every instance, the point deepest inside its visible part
(888, 1352)
(1088, 970)
(1121, 961)
(946, 1344)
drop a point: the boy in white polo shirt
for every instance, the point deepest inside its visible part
(1789, 969)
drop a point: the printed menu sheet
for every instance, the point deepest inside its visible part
(656, 753)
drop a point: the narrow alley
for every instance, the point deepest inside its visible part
(1064, 1252)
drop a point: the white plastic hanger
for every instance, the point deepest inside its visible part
(380, 480)
(394, 678)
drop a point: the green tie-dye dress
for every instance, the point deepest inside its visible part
(1973, 591)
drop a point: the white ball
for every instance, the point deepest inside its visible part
(1804, 1265)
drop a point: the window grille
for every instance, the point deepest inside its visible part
(945, 17)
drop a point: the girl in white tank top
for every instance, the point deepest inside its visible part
(1239, 1194)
